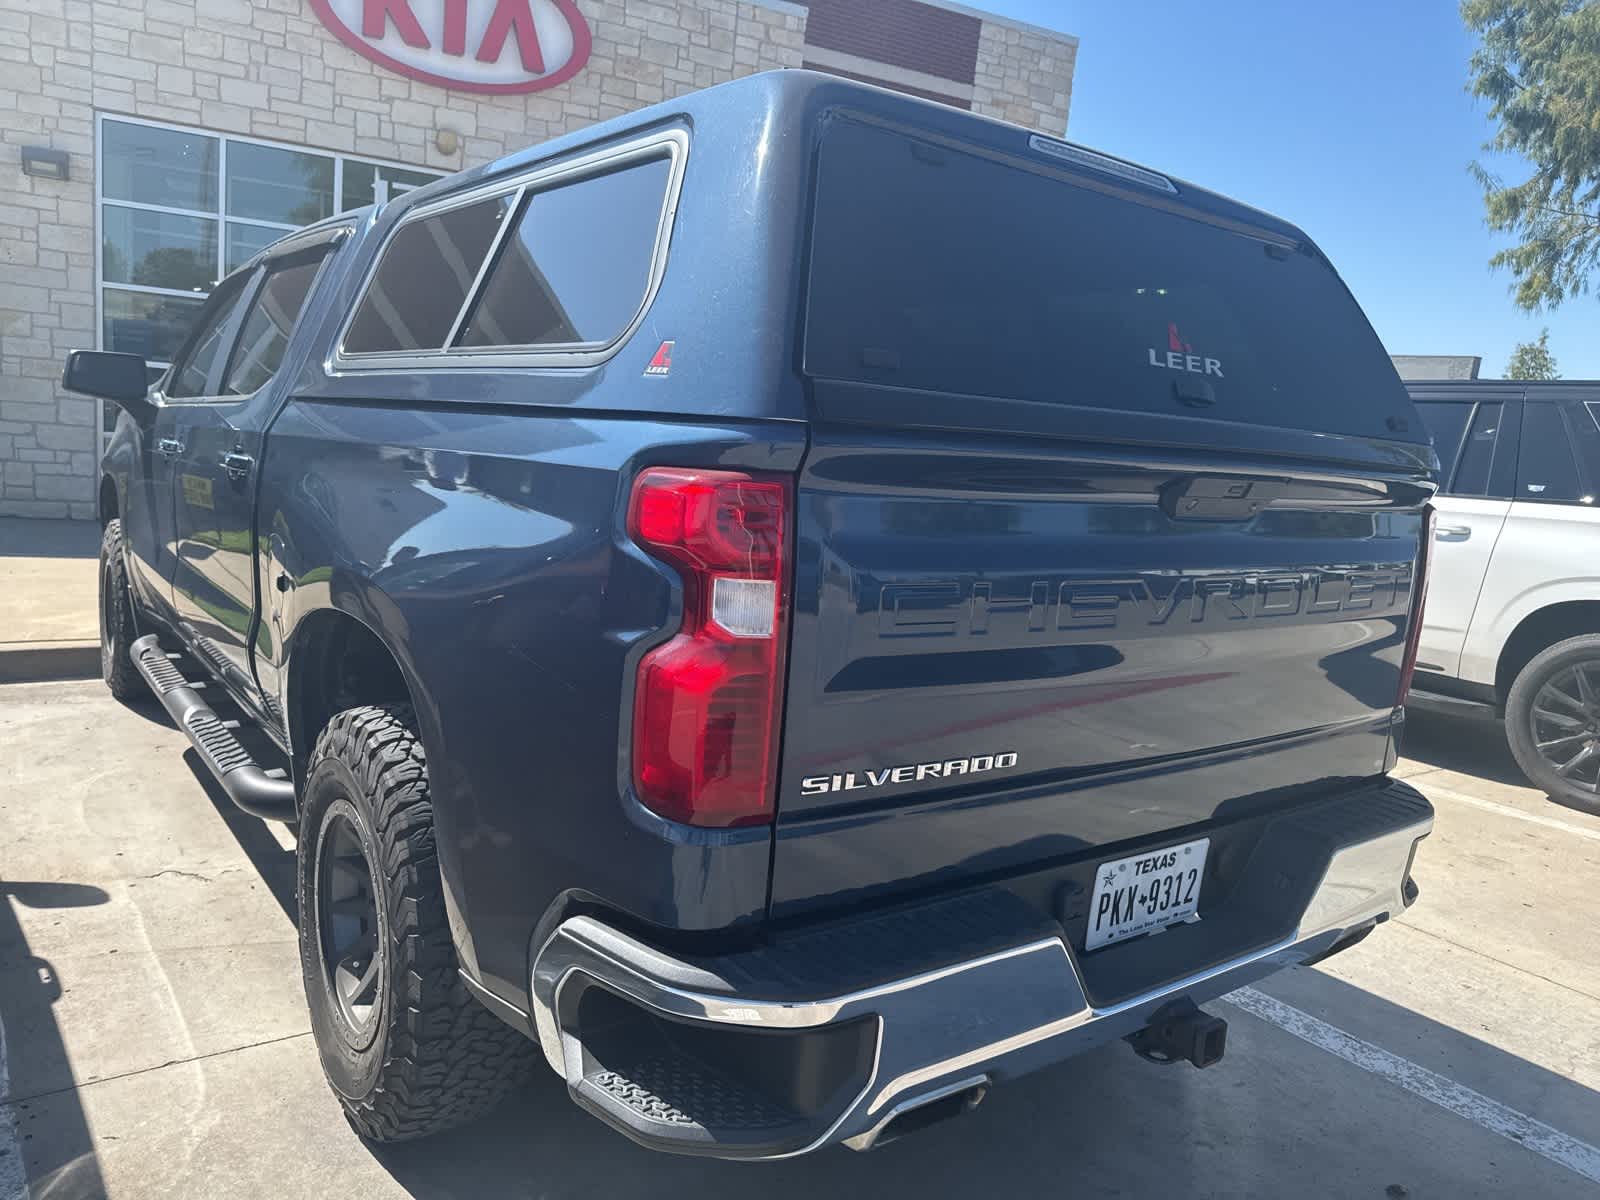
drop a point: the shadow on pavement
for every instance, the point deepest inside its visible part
(21, 537)
(150, 709)
(272, 862)
(63, 1166)
(1470, 746)
(1103, 1124)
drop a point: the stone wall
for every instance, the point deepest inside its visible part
(47, 439)
(1024, 76)
(268, 69)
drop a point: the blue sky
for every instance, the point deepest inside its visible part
(1350, 120)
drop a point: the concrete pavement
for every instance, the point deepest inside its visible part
(156, 1032)
(49, 625)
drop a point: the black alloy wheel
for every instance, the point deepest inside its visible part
(1553, 720)
(1566, 723)
(347, 926)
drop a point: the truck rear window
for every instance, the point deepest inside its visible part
(941, 270)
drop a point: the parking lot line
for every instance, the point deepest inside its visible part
(1579, 1157)
(1504, 810)
(13, 1174)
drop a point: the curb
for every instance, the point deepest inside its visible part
(42, 662)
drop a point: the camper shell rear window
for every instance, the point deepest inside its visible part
(950, 270)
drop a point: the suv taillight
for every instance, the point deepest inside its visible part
(706, 703)
(1419, 595)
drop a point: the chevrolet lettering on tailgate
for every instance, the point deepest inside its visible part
(956, 606)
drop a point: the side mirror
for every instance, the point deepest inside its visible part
(121, 378)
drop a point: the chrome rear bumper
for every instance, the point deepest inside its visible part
(955, 1028)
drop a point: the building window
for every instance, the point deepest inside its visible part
(180, 208)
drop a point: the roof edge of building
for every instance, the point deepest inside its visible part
(1436, 367)
(977, 14)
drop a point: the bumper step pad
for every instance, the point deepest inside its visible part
(675, 1090)
(260, 793)
(696, 1089)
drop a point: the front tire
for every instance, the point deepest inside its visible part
(1553, 720)
(405, 1047)
(117, 630)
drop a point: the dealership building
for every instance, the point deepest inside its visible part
(149, 146)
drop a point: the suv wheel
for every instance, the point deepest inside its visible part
(404, 1045)
(1553, 720)
(117, 630)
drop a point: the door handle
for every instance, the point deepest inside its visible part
(169, 446)
(1452, 533)
(237, 465)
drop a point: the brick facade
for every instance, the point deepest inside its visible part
(902, 33)
(270, 69)
(944, 51)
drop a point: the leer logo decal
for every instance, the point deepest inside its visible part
(1180, 356)
(496, 46)
(661, 362)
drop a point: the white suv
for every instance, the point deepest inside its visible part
(1513, 612)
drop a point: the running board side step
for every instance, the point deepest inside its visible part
(260, 794)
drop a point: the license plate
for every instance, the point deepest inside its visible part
(1146, 891)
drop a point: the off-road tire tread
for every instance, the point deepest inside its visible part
(123, 678)
(446, 1058)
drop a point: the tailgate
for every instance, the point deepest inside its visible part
(1084, 553)
(1006, 656)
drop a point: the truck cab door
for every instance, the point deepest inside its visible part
(222, 436)
(1476, 441)
(147, 528)
(153, 520)
(1552, 530)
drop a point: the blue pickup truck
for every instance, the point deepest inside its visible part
(794, 606)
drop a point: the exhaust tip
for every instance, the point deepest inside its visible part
(915, 1115)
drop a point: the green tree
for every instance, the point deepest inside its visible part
(1538, 66)
(1533, 360)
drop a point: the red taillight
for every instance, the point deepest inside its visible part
(1419, 595)
(705, 709)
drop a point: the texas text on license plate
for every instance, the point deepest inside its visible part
(1135, 895)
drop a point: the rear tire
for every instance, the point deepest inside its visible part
(1553, 720)
(404, 1045)
(117, 630)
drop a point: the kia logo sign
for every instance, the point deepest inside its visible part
(497, 46)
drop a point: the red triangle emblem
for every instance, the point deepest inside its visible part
(661, 364)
